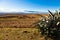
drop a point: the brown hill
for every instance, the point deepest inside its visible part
(19, 20)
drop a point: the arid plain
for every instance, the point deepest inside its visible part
(20, 27)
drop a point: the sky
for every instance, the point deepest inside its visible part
(30, 5)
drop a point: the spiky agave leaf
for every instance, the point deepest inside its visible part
(50, 27)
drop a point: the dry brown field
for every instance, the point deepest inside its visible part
(20, 27)
(20, 20)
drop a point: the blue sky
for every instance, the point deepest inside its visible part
(30, 5)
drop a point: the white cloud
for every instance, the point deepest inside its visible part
(10, 10)
(5, 6)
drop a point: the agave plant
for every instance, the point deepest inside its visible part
(50, 26)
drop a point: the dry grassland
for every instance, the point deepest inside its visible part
(19, 27)
(20, 34)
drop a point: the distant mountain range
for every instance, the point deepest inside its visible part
(25, 12)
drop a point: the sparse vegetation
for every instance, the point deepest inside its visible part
(17, 28)
(20, 34)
